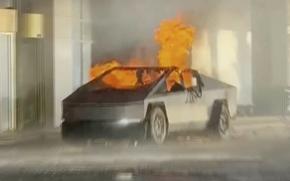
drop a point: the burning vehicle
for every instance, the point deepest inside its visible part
(149, 101)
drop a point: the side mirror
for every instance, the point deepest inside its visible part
(192, 81)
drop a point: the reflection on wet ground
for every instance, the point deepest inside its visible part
(252, 152)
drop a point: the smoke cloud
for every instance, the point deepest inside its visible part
(122, 28)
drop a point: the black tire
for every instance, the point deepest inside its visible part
(219, 124)
(158, 125)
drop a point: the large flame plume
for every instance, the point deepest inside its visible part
(175, 39)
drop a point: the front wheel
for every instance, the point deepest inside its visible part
(158, 125)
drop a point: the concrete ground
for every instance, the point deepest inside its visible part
(257, 149)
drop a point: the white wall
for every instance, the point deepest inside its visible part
(63, 54)
(269, 53)
(72, 50)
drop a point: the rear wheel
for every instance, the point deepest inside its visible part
(158, 125)
(220, 120)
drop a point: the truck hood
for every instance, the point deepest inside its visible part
(107, 96)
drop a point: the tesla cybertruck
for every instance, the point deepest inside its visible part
(150, 102)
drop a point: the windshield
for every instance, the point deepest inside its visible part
(131, 78)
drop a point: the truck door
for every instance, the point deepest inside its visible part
(196, 107)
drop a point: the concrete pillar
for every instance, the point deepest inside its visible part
(63, 54)
(72, 50)
(269, 55)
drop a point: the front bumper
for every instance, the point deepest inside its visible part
(103, 129)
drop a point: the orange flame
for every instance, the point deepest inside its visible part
(120, 79)
(175, 39)
(130, 78)
(99, 69)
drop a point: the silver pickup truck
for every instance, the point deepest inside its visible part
(151, 110)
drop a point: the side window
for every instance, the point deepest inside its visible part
(174, 82)
(186, 80)
(192, 82)
(189, 78)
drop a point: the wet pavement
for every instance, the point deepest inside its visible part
(255, 150)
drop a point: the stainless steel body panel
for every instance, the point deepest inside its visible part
(183, 115)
